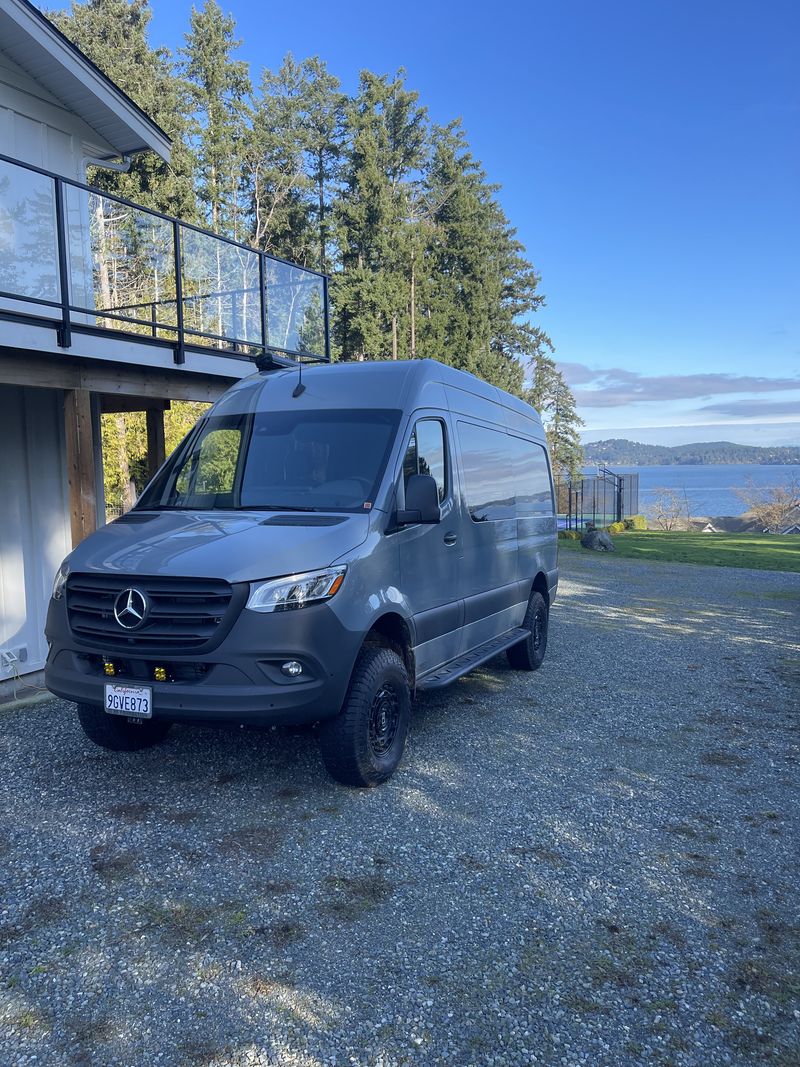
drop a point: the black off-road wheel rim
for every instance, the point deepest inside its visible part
(384, 720)
(539, 630)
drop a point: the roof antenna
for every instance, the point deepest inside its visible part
(299, 389)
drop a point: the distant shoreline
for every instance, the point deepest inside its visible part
(621, 452)
(591, 462)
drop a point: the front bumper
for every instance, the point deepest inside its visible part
(239, 681)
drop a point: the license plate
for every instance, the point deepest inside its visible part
(135, 701)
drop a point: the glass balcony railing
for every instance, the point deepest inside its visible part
(89, 261)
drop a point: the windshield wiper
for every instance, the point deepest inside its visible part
(275, 507)
(162, 507)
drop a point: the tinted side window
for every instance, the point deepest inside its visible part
(534, 494)
(426, 454)
(489, 475)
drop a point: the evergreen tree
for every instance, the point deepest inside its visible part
(124, 440)
(280, 191)
(563, 431)
(292, 160)
(478, 291)
(553, 399)
(455, 290)
(423, 257)
(324, 122)
(515, 298)
(219, 86)
(387, 140)
(544, 375)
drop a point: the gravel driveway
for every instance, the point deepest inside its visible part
(594, 864)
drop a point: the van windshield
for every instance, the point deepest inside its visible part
(278, 460)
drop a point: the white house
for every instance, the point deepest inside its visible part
(94, 315)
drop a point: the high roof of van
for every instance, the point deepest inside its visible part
(405, 384)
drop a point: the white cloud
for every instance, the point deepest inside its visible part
(615, 387)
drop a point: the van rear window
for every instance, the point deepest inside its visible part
(505, 477)
(534, 491)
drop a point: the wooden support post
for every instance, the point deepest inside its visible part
(81, 471)
(156, 452)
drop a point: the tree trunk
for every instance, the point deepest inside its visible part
(128, 496)
(322, 241)
(214, 204)
(394, 336)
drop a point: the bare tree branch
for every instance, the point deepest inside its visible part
(774, 507)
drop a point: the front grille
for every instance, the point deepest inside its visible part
(184, 613)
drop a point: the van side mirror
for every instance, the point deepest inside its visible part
(422, 501)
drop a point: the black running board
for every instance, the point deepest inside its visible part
(443, 676)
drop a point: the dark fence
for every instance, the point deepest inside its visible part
(89, 261)
(599, 499)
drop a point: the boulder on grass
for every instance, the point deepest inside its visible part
(598, 541)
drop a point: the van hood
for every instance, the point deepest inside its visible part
(237, 546)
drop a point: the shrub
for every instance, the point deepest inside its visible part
(636, 522)
(616, 527)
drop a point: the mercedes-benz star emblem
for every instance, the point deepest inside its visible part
(130, 609)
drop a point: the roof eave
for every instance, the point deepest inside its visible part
(145, 134)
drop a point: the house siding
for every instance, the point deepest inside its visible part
(35, 129)
(34, 519)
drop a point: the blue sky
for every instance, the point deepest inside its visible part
(649, 156)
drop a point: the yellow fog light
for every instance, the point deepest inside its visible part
(160, 674)
(109, 668)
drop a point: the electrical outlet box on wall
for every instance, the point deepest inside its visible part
(11, 658)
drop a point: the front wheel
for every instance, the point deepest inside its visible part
(364, 744)
(528, 654)
(116, 733)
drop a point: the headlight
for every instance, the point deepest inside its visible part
(61, 581)
(296, 590)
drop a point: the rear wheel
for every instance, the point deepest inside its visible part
(364, 744)
(116, 733)
(528, 654)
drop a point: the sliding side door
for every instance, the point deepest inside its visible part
(494, 597)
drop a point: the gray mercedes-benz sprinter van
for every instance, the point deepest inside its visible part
(315, 552)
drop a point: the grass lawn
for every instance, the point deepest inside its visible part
(766, 552)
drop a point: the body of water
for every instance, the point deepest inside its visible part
(711, 489)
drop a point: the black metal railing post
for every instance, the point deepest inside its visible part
(262, 296)
(326, 316)
(64, 333)
(235, 322)
(180, 350)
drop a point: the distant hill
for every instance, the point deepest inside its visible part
(634, 454)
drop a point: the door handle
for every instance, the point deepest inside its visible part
(450, 538)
